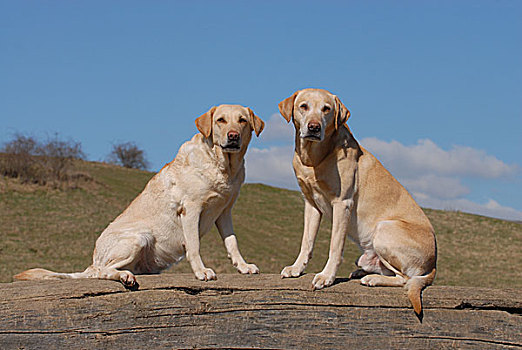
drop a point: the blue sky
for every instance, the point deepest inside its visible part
(434, 87)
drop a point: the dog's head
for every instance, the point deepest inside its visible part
(315, 113)
(230, 126)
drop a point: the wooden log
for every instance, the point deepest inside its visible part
(172, 311)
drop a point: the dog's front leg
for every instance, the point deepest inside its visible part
(190, 222)
(226, 230)
(340, 222)
(312, 219)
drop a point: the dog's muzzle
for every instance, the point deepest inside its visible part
(233, 143)
(313, 132)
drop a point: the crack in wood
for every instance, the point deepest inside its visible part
(116, 331)
(229, 291)
(94, 294)
(196, 290)
(187, 290)
(511, 310)
(207, 309)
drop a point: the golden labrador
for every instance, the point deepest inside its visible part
(178, 206)
(342, 180)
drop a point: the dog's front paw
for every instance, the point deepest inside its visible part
(292, 271)
(205, 274)
(322, 280)
(248, 269)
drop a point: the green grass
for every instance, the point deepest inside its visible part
(57, 230)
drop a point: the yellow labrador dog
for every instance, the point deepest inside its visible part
(178, 206)
(343, 181)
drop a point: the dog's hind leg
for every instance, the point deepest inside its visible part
(409, 251)
(370, 263)
(383, 281)
(117, 257)
(126, 277)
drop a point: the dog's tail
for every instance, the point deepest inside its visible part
(43, 274)
(414, 287)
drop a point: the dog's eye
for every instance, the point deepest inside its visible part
(221, 120)
(326, 109)
(242, 120)
(304, 106)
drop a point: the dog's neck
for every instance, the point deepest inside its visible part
(312, 153)
(231, 163)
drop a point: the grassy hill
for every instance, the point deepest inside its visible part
(54, 229)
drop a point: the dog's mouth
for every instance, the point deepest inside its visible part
(231, 147)
(312, 137)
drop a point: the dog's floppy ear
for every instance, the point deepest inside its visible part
(341, 114)
(286, 107)
(204, 123)
(257, 124)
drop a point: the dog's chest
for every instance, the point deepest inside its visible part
(315, 191)
(217, 198)
(213, 207)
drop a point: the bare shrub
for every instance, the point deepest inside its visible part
(43, 163)
(58, 156)
(21, 144)
(19, 160)
(128, 155)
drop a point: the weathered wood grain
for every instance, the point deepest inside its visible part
(242, 312)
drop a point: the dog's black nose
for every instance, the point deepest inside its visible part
(233, 136)
(314, 127)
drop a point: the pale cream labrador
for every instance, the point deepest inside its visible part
(178, 206)
(343, 181)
